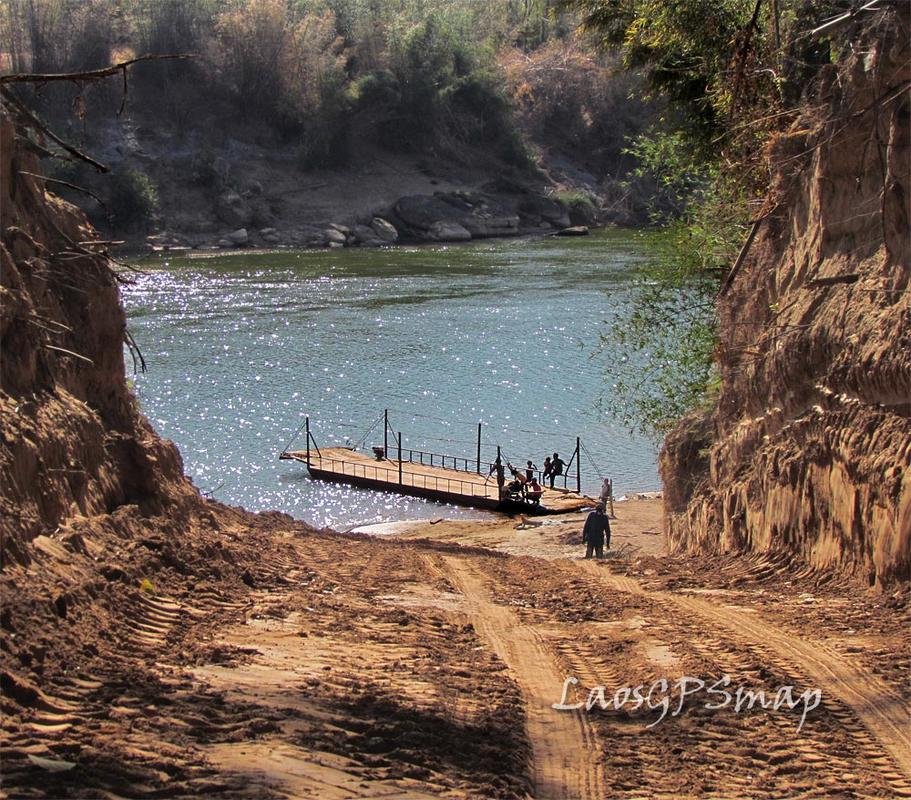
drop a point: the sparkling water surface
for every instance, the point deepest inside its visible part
(239, 348)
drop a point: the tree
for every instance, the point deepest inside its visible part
(724, 66)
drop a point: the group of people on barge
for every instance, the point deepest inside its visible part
(524, 483)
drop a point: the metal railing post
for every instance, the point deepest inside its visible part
(479, 451)
(400, 458)
(578, 467)
(386, 433)
(307, 423)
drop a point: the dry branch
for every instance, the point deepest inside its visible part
(89, 75)
(68, 185)
(38, 125)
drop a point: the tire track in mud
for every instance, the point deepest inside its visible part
(881, 712)
(563, 767)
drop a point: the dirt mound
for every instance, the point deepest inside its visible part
(92, 501)
(809, 445)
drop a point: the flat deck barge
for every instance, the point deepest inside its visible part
(438, 482)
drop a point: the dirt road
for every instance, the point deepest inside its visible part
(348, 667)
(567, 759)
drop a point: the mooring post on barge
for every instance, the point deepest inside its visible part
(400, 458)
(578, 466)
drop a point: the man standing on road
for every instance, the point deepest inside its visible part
(595, 532)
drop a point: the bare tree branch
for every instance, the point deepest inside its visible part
(89, 75)
(38, 125)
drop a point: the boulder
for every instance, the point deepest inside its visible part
(334, 236)
(420, 211)
(239, 238)
(340, 228)
(548, 209)
(384, 230)
(481, 227)
(365, 236)
(575, 230)
(448, 231)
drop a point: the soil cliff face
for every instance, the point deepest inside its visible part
(92, 501)
(72, 441)
(808, 447)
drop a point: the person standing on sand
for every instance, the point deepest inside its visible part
(596, 532)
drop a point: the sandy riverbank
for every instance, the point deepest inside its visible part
(636, 530)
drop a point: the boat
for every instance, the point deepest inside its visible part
(435, 476)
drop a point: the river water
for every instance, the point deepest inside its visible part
(502, 332)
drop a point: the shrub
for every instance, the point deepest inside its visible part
(132, 198)
(277, 62)
(583, 207)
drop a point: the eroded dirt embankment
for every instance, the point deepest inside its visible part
(808, 448)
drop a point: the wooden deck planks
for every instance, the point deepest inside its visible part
(457, 484)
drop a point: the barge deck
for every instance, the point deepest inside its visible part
(433, 482)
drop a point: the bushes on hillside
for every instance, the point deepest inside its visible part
(570, 96)
(412, 75)
(439, 86)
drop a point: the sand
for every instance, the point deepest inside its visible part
(423, 660)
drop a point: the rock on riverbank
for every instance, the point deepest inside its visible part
(443, 216)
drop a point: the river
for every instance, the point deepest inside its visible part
(503, 332)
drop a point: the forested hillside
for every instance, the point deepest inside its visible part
(287, 115)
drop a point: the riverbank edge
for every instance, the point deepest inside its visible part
(444, 217)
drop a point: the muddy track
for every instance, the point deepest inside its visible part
(882, 711)
(567, 755)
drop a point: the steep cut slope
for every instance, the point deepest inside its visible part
(808, 448)
(73, 441)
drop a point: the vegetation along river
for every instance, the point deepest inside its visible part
(240, 347)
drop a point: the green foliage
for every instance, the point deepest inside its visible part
(666, 340)
(132, 198)
(439, 85)
(415, 75)
(727, 77)
(668, 336)
(576, 198)
(686, 49)
(668, 160)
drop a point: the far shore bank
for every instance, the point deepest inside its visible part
(500, 210)
(139, 248)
